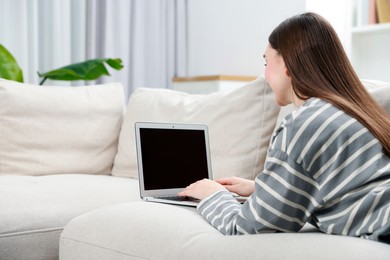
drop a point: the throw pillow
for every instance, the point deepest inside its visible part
(240, 124)
(55, 130)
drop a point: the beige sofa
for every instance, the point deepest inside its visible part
(68, 176)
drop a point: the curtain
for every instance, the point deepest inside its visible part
(42, 34)
(148, 35)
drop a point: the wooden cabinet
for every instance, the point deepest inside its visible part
(209, 84)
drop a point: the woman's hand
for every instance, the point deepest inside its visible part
(201, 189)
(240, 186)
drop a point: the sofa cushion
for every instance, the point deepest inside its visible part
(53, 130)
(380, 91)
(240, 124)
(35, 209)
(143, 230)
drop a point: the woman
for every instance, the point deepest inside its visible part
(328, 163)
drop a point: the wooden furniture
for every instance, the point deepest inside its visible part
(208, 84)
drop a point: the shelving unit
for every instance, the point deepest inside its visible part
(370, 51)
(369, 45)
(372, 29)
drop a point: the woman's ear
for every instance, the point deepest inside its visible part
(287, 73)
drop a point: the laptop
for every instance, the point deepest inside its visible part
(170, 157)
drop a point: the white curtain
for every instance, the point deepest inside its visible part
(41, 34)
(148, 35)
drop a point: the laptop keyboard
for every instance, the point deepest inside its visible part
(178, 198)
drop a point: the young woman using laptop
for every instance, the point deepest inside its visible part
(328, 163)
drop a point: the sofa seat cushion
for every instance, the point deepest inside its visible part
(142, 230)
(35, 209)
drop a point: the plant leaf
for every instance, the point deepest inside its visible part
(9, 68)
(115, 63)
(87, 70)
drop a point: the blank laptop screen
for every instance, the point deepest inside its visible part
(172, 158)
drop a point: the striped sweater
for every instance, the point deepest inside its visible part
(322, 167)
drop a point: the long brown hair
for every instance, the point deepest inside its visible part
(319, 67)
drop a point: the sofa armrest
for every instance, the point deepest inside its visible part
(143, 230)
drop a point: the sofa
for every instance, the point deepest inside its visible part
(68, 175)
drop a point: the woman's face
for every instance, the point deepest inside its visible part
(276, 74)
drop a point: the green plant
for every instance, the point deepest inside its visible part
(9, 68)
(87, 70)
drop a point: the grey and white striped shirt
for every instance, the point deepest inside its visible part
(322, 167)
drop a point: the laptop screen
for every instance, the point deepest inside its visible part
(172, 158)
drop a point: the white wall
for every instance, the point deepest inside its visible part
(228, 37)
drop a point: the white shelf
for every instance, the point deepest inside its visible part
(367, 45)
(372, 29)
(369, 48)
